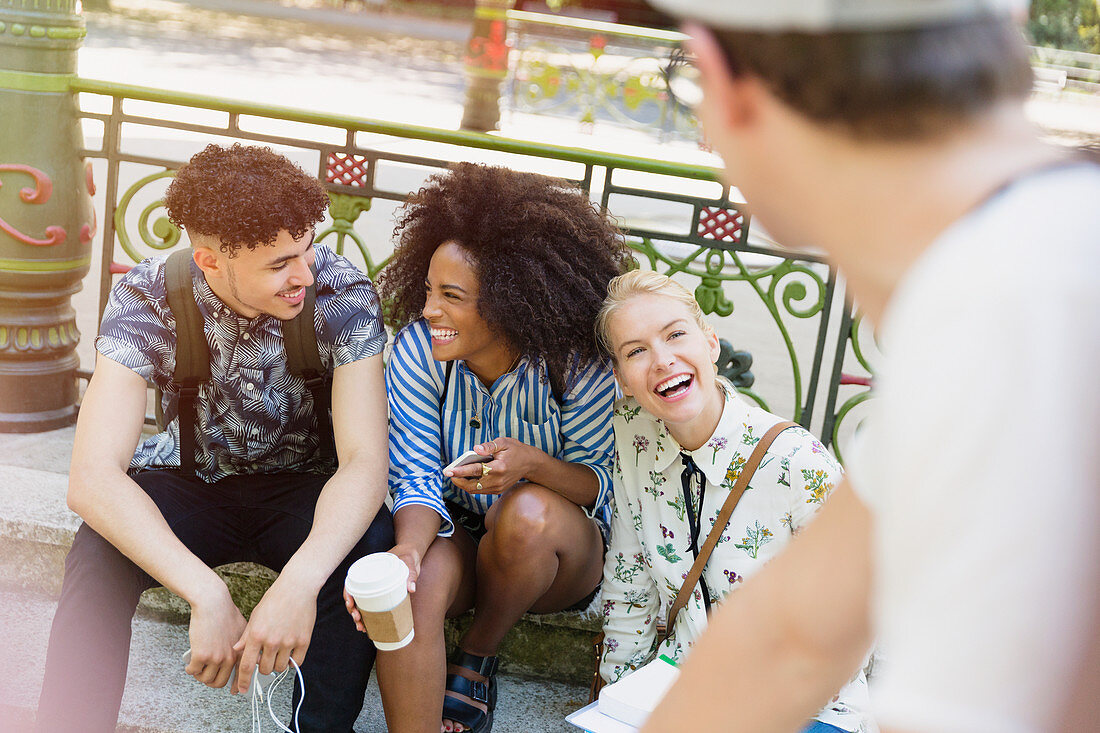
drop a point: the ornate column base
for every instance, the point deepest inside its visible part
(38, 368)
(37, 395)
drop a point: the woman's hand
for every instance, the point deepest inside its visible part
(349, 603)
(512, 462)
(411, 557)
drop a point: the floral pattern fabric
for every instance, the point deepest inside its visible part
(650, 552)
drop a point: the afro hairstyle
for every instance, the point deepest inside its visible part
(542, 253)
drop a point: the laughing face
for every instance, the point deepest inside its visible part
(665, 360)
(270, 279)
(450, 308)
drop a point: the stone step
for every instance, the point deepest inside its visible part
(37, 528)
(160, 698)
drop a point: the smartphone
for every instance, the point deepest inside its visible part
(466, 459)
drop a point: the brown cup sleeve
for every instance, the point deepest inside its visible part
(389, 627)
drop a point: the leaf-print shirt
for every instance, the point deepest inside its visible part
(650, 554)
(254, 415)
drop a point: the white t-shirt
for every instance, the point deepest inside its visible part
(980, 460)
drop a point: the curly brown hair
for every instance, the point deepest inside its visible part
(244, 195)
(543, 254)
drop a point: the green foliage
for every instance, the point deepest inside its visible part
(1073, 25)
(1089, 31)
(668, 552)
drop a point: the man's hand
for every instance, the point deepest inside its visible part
(512, 462)
(280, 628)
(215, 626)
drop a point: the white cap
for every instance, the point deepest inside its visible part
(817, 16)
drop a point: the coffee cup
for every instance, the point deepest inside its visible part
(379, 585)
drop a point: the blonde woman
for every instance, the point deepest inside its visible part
(682, 434)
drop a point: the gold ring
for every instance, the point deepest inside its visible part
(479, 486)
(485, 470)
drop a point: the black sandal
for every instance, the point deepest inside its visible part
(475, 719)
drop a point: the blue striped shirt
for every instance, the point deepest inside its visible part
(519, 405)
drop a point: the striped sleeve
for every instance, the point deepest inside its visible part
(414, 384)
(587, 431)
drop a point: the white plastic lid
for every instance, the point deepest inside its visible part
(376, 574)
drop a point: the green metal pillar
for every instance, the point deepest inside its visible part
(486, 65)
(46, 218)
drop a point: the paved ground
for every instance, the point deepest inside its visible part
(159, 696)
(419, 58)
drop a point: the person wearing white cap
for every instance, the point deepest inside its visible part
(891, 134)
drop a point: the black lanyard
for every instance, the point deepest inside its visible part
(695, 519)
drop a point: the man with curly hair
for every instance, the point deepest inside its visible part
(261, 490)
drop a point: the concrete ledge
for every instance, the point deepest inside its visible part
(554, 646)
(36, 528)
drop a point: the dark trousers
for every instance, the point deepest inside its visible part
(260, 518)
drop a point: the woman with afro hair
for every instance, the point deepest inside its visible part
(493, 290)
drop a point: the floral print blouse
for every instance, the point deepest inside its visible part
(650, 553)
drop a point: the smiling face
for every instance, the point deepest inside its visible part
(270, 279)
(665, 360)
(450, 308)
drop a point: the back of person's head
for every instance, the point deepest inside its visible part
(243, 196)
(636, 283)
(874, 69)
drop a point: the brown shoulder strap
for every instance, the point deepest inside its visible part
(720, 523)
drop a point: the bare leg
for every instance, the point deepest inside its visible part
(541, 553)
(412, 679)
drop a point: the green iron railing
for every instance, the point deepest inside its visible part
(786, 312)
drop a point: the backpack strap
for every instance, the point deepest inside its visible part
(192, 352)
(304, 360)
